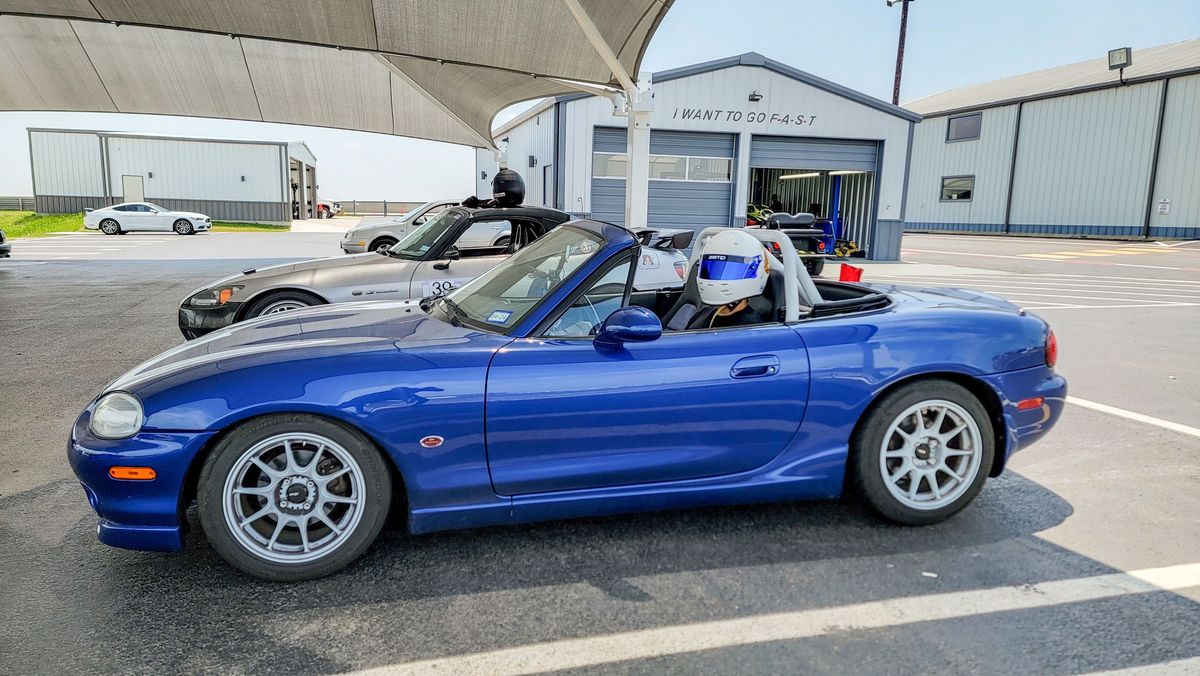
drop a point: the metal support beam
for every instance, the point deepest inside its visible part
(600, 44)
(1158, 129)
(637, 169)
(583, 87)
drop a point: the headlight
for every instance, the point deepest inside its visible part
(215, 296)
(117, 415)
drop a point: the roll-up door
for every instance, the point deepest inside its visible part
(781, 152)
(691, 178)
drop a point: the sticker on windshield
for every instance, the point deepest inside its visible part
(431, 287)
(499, 316)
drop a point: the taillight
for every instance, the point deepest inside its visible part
(681, 269)
(820, 246)
(1051, 349)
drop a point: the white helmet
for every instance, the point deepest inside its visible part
(733, 266)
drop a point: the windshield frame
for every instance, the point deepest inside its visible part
(439, 245)
(553, 296)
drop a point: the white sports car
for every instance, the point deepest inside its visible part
(138, 216)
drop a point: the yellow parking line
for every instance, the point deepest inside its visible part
(1122, 252)
(1080, 253)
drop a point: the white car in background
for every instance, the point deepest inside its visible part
(144, 216)
(381, 235)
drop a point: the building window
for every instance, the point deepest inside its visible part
(667, 167)
(964, 127)
(710, 169)
(957, 188)
(608, 165)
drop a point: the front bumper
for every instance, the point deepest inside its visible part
(145, 515)
(197, 321)
(354, 246)
(1023, 428)
(5, 249)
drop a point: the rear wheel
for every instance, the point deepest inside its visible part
(110, 227)
(923, 452)
(815, 266)
(293, 497)
(183, 227)
(383, 244)
(281, 301)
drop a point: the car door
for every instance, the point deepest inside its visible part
(563, 415)
(158, 219)
(476, 257)
(136, 217)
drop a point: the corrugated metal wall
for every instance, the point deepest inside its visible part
(1178, 177)
(988, 159)
(198, 170)
(66, 164)
(781, 152)
(1083, 162)
(534, 137)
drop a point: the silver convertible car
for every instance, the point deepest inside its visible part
(439, 255)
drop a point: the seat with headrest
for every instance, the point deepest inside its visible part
(689, 311)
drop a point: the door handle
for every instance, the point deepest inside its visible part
(757, 366)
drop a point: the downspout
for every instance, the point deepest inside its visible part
(1012, 170)
(1162, 114)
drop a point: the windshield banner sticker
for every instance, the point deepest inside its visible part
(499, 316)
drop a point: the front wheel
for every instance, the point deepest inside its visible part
(110, 227)
(281, 301)
(293, 497)
(383, 244)
(184, 227)
(923, 452)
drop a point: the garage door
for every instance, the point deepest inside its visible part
(691, 174)
(781, 152)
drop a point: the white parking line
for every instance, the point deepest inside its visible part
(1152, 267)
(1104, 307)
(1190, 665)
(680, 639)
(1131, 415)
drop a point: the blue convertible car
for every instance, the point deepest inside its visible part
(546, 389)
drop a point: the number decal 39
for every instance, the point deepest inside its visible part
(433, 286)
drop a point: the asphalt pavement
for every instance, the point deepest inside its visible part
(1083, 557)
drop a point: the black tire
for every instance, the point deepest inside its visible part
(262, 305)
(815, 266)
(110, 227)
(222, 460)
(183, 227)
(865, 474)
(382, 243)
(503, 241)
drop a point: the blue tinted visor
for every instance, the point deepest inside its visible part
(728, 268)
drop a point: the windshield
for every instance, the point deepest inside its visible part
(501, 297)
(425, 236)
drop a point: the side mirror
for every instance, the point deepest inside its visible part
(419, 221)
(631, 324)
(450, 254)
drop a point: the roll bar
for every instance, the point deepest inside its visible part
(797, 284)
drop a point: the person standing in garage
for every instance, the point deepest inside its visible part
(775, 204)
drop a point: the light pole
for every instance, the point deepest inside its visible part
(900, 46)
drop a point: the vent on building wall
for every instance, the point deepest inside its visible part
(532, 161)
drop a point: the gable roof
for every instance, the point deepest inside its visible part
(1153, 63)
(754, 59)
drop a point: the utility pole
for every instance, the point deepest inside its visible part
(900, 46)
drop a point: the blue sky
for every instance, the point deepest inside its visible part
(951, 43)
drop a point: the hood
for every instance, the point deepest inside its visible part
(370, 258)
(299, 335)
(189, 214)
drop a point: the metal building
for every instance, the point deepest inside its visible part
(723, 134)
(228, 180)
(1078, 150)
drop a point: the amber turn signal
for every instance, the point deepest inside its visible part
(1030, 404)
(132, 473)
(223, 298)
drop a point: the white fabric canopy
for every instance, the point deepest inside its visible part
(434, 69)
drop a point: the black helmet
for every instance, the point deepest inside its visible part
(508, 188)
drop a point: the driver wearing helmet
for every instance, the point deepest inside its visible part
(734, 269)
